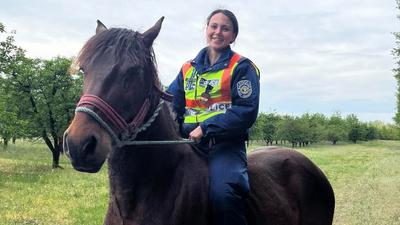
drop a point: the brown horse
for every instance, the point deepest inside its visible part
(154, 180)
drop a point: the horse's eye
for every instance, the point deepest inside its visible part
(131, 75)
(134, 71)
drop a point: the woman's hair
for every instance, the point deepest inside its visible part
(228, 14)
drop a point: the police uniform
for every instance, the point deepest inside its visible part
(223, 100)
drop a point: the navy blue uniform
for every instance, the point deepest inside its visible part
(229, 183)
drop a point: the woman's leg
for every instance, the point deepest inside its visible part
(229, 184)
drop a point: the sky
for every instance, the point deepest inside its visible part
(315, 56)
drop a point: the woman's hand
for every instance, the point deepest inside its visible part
(196, 134)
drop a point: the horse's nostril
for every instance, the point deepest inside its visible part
(90, 145)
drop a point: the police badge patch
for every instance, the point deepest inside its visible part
(244, 88)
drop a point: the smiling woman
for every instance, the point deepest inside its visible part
(216, 98)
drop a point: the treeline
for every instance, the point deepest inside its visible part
(37, 97)
(306, 129)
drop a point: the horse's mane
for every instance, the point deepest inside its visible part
(128, 48)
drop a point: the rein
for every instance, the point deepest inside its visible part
(126, 133)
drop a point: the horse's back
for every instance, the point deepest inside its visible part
(287, 188)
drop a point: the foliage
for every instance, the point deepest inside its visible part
(396, 54)
(11, 61)
(311, 128)
(355, 128)
(266, 126)
(335, 129)
(385, 131)
(39, 96)
(1, 28)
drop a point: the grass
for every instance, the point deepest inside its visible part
(366, 181)
(365, 178)
(32, 193)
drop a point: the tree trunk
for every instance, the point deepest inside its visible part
(54, 148)
(56, 159)
(5, 142)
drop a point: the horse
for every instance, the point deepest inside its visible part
(155, 177)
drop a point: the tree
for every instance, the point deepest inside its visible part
(44, 92)
(355, 128)
(335, 129)
(55, 98)
(10, 126)
(396, 54)
(270, 126)
(313, 127)
(386, 131)
(371, 132)
(11, 60)
(51, 94)
(293, 129)
(256, 129)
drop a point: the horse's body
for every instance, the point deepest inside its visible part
(168, 184)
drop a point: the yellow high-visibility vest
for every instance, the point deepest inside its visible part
(219, 97)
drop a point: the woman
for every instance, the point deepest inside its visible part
(216, 98)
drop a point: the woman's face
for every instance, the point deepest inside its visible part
(219, 32)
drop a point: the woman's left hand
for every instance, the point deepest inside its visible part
(196, 134)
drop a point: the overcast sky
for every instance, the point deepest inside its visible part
(314, 55)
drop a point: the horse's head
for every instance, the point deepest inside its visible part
(119, 78)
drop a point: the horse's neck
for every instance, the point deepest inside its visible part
(133, 165)
(142, 175)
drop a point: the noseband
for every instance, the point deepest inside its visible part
(116, 120)
(124, 133)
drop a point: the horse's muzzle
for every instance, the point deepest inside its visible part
(83, 156)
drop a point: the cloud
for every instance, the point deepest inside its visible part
(313, 55)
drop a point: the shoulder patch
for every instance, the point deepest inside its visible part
(244, 88)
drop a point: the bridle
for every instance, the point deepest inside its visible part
(124, 133)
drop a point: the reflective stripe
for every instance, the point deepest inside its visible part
(255, 68)
(197, 103)
(185, 69)
(198, 110)
(201, 117)
(227, 75)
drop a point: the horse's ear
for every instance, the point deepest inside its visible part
(152, 33)
(100, 27)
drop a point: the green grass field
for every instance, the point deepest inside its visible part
(365, 178)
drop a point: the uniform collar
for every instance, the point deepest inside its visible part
(202, 64)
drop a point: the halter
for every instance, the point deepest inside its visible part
(125, 133)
